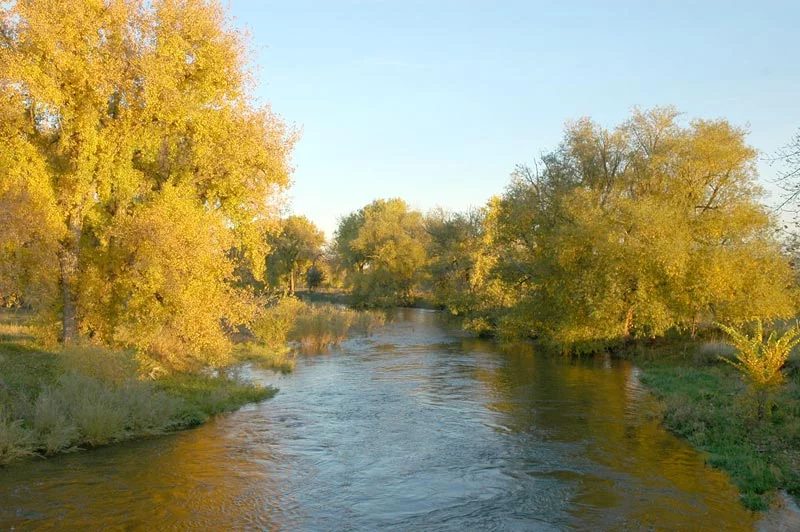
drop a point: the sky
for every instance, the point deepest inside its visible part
(436, 101)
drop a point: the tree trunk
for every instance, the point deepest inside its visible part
(626, 327)
(291, 282)
(68, 266)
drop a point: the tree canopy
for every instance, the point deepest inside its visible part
(294, 250)
(133, 162)
(633, 231)
(382, 248)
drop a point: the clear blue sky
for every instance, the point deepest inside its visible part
(435, 101)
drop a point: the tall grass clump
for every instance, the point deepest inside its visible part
(278, 358)
(365, 322)
(760, 360)
(85, 395)
(15, 441)
(274, 323)
(322, 326)
(312, 327)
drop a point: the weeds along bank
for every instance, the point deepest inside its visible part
(84, 396)
(738, 405)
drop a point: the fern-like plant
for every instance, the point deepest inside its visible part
(760, 360)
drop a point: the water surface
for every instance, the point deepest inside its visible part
(413, 428)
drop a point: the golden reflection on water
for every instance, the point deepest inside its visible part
(650, 477)
(428, 431)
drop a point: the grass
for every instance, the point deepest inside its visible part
(205, 396)
(86, 396)
(312, 327)
(280, 359)
(711, 406)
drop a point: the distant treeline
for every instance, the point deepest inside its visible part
(617, 234)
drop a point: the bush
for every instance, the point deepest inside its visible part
(760, 360)
(54, 428)
(15, 441)
(273, 325)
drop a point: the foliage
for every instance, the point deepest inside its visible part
(382, 249)
(760, 360)
(274, 323)
(632, 232)
(314, 327)
(133, 163)
(365, 322)
(760, 455)
(321, 326)
(279, 359)
(454, 250)
(315, 276)
(294, 250)
(205, 396)
(86, 395)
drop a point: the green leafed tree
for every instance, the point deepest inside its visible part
(295, 248)
(382, 249)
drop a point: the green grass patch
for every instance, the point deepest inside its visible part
(205, 396)
(276, 358)
(710, 406)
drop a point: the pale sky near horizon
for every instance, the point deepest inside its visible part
(436, 101)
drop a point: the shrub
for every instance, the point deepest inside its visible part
(760, 360)
(274, 323)
(150, 411)
(15, 441)
(55, 430)
(97, 411)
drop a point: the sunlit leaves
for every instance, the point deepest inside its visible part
(133, 161)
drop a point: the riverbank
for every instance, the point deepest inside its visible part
(54, 401)
(706, 402)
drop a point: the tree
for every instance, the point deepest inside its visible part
(383, 250)
(631, 232)
(455, 243)
(116, 117)
(789, 178)
(294, 249)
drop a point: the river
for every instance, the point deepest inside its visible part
(413, 428)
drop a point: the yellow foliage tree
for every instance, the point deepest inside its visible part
(630, 232)
(118, 117)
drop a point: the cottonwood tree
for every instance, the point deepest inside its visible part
(132, 160)
(382, 248)
(630, 232)
(294, 250)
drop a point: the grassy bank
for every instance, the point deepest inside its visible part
(54, 401)
(707, 403)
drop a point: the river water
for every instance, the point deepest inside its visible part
(414, 428)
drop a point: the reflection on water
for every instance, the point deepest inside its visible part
(415, 428)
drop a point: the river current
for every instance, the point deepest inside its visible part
(414, 428)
